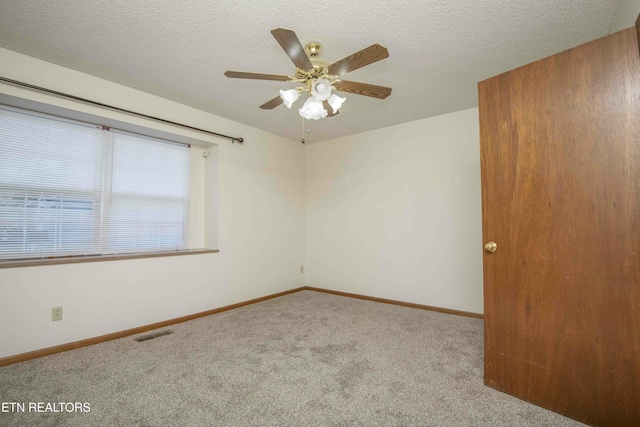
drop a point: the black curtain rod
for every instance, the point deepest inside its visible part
(88, 101)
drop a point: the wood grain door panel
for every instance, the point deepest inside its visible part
(560, 155)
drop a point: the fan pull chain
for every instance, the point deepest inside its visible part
(303, 131)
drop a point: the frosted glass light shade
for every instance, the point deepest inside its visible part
(321, 89)
(313, 109)
(289, 97)
(336, 102)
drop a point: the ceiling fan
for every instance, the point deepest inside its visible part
(317, 77)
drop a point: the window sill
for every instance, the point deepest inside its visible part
(77, 259)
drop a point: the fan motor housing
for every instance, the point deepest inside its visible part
(313, 49)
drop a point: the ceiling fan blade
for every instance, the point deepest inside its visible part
(365, 89)
(327, 107)
(257, 76)
(366, 56)
(272, 104)
(292, 46)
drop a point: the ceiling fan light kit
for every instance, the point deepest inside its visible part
(317, 78)
(318, 84)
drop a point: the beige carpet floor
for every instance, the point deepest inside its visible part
(304, 359)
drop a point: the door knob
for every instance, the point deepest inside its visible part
(491, 247)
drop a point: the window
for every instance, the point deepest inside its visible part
(68, 188)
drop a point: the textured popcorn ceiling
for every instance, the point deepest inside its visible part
(439, 50)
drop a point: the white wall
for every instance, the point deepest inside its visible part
(396, 213)
(260, 228)
(626, 14)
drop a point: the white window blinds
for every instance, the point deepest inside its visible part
(68, 188)
(149, 201)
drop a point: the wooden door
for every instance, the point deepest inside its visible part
(560, 154)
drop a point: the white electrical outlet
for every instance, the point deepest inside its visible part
(56, 313)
